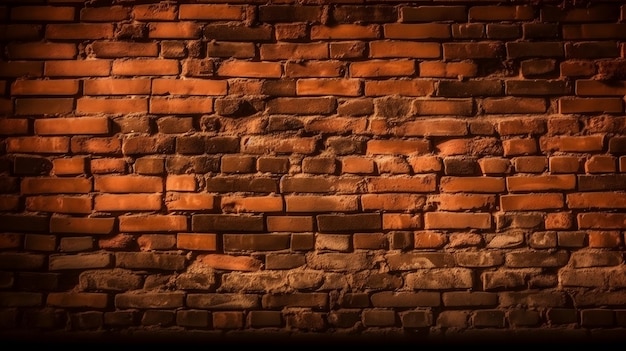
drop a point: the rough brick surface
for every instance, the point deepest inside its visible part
(426, 170)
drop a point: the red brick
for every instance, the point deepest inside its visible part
(401, 221)
(43, 13)
(13, 126)
(514, 105)
(45, 145)
(399, 87)
(113, 49)
(344, 31)
(59, 204)
(108, 86)
(108, 165)
(572, 68)
(87, 105)
(338, 87)
(382, 68)
(357, 165)
(604, 200)
(72, 126)
(245, 69)
(472, 184)
(541, 183)
(127, 202)
(604, 239)
(211, 12)
(145, 67)
(78, 68)
(519, 146)
(302, 105)
(404, 49)
(79, 31)
(41, 51)
(417, 31)
(601, 164)
(44, 87)
(291, 31)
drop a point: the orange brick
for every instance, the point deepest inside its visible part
(247, 69)
(174, 30)
(239, 204)
(71, 126)
(154, 12)
(128, 184)
(321, 203)
(397, 147)
(87, 105)
(462, 202)
(104, 14)
(42, 51)
(530, 202)
(339, 87)
(402, 184)
(43, 13)
(49, 185)
(417, 31)
(401, 221)
(189, 87)
(399, 87)
(77, 68)
(79, 31)
(59, 204)
(429, 240)
(114, 49)
(69, 166)
(294, 51)
(96, 145)
(109, 86)
(393, 202)
(382, 68)
(600, 199)
(230, 262)
(591, 105)
(472, 184)
(604, 238)
(541, 183)
(190, 201)
(357, 165)
(153, 223)
(44, 106)
(145, 67)
(43, 145)
(196, 241)
(456, 220)
(289, 223)
(181, 105)
(404, 49)
(344, 31)
(211, 12)
(45, 87)
(127, 202)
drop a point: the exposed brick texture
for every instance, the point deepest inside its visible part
(267, 170)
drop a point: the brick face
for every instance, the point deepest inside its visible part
(369, 168)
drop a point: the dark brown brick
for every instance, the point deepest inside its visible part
(227, 223)
(343, 222)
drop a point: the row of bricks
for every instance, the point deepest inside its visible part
(314, 321)
(450, 152)
(317, 50)
(327, 70)
(339, 13)
(303, 106)
(348, 165)
(394, 240)
(327, 223)
(340, 87)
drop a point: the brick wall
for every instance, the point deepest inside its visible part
(438, 170)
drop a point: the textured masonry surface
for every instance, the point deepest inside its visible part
(430, 170)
